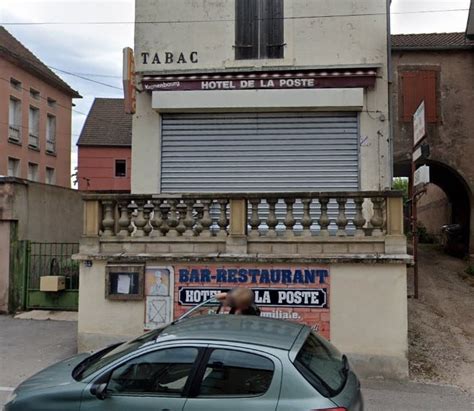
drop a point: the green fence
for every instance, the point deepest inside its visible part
(45, 259)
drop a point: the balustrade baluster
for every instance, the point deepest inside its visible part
(165, 228)
(124, 220)
(182, 209)
(324, 220)
(139, 220)
(206, 220)
(255, 220)
(188, 218)
(359, 220)
(290, 220)
(341, 220)
(173, 220)
(157, 221)
(147, 209)
(306, 221)
(199, 209)
(377, 218)
(223, 221)
(272, 220)
(108, 222)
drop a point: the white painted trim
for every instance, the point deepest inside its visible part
(7, 389)
(350, 99)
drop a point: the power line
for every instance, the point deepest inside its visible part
(84, 78)
(87, 23)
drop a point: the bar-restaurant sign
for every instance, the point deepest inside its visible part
(288, 292)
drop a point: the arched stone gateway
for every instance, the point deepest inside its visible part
(458, 192)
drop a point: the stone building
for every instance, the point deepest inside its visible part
(437, 68)
(35, 117)
(261, 157)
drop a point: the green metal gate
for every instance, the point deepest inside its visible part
(45, 259)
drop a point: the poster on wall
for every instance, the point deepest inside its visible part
(288, 292)
(158, 293)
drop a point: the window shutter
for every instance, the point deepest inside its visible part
(417, 86)
(246, 29)
(272, 34)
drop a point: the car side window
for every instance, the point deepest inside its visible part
(163, 372)
(236, 373)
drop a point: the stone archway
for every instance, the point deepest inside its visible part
(457, 191)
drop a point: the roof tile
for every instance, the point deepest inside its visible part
(431, 41)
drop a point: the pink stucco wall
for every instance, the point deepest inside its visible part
(96, 168)
(61, 160)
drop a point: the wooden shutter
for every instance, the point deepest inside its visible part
(272, 29)
(415, 87)
(246, 29)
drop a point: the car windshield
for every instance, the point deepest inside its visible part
(322, 365)
(209, 307)
(105, 357)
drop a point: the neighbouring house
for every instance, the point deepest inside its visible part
(104, 148)
(438, 68)
(261, 157)
(35, 117)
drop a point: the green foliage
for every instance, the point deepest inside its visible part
(423, 236)
(401, 184)
(469, 270)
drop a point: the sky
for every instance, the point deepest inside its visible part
(95, 51)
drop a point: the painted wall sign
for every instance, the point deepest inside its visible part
(290, 292)
(169, 57)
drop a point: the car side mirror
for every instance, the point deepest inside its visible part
(100, 391)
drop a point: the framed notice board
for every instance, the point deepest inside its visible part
(124, 282)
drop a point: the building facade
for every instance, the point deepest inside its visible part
(261, 157)
(35, 117)
(437, 69)
(104, 148)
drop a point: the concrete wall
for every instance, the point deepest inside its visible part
(42, 213)
(61, 160)
(368, 315)
(97, 168)
(323, 42)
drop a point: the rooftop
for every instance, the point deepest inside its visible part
(11, 49)
(431, 41)
(107, 124)
(236, 328)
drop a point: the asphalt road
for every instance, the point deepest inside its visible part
(27, 346)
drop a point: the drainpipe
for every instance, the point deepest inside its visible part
(390, 83)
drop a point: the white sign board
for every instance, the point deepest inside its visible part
(422, 176)
(417, 154)
(419, 124)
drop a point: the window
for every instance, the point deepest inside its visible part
(416, 86)
(259, 29)
(16, 84)
(32, 171)
(50, 177)
(120, 168)
(236, 373)
(162, 372)
(33, 127)
(14, 120)
(34, 94)
(51, 102)
(51, 134)
(13, 167)
(322, 365)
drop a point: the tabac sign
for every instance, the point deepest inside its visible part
(290, 292)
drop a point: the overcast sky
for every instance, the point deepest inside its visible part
(93, 50)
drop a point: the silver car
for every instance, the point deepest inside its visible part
(206, 363)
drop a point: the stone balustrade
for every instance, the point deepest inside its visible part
(253, 215)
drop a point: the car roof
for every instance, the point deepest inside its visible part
(235, 328)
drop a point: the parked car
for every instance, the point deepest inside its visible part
(201, 362)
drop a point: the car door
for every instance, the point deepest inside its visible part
(155, 381)
(236, 379)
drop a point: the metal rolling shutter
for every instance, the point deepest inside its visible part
(259, 152)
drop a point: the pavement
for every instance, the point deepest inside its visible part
(27, 346)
